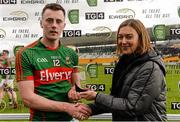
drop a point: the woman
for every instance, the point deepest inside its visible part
(138, 90)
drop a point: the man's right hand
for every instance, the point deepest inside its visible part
(73, 95)
(79, 111)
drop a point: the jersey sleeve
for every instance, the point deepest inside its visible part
(24, 69)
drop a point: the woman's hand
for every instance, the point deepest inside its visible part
(88, 95)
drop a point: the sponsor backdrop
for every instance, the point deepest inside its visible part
(19, 22)
(19, 26)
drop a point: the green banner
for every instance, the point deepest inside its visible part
(92, 70)
(92, 2)
(73, 16)
(159, 32)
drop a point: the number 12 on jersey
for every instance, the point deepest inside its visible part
(56, 62)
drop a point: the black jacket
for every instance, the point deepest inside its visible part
(138, 90)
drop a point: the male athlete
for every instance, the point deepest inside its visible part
(8, 79)
(46, 74)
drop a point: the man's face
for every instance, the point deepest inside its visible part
(53, 23)
(4, 54)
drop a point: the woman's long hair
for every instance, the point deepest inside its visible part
(143, 36)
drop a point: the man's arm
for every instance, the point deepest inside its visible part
(35, 101)
(32, 100)
(72, 94)
(76, 78)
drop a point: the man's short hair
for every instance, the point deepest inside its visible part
(6, 51)
(53, 6)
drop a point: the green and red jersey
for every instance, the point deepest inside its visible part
(51, 70)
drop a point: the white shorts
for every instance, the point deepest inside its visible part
(9, 82)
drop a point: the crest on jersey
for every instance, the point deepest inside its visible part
(67, 60)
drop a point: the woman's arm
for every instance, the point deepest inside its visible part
(145, 88)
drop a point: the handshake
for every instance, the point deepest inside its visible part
(80, 111)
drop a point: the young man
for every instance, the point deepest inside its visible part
(46, 74)
(8, 80)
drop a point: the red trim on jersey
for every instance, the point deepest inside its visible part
(19, 70)
(50, 48)
(31, 114)
(30, 78)
(43, 40)
(51, 75)
(18, 65)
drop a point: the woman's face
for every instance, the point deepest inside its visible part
(127, 40)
